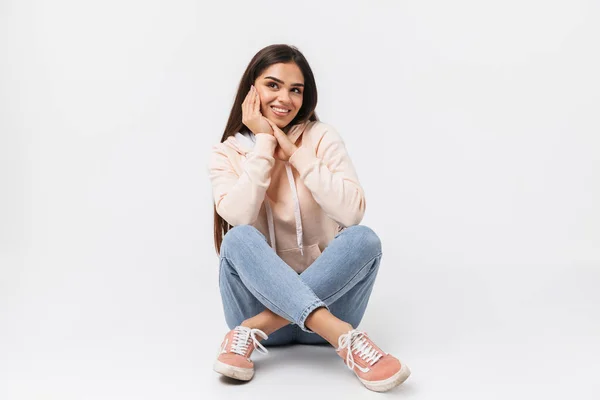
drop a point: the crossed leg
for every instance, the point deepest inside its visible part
(326, 300)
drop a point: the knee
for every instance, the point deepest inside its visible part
(365, 238)
(236, 235)
(239, 232)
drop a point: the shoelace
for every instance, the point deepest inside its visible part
(241, 340)
(357, 341)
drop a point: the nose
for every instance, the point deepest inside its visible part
(284, 98)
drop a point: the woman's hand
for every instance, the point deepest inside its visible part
(285, 148)
(251, 116)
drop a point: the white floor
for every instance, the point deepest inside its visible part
(113, 332)
(473, 127)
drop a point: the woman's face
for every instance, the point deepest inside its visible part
(280, 88)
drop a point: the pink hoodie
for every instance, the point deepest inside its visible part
(299, 209)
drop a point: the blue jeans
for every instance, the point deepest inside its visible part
(253, 277)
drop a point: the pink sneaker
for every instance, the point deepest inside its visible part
(377, 370)
(233, 359)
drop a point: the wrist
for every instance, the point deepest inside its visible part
(265, 143)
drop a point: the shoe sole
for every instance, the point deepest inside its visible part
(242, 374)
(389, 383)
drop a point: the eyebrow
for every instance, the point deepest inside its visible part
(280, 81)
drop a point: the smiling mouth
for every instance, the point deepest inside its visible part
(281, 112)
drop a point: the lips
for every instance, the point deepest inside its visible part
(280, 112)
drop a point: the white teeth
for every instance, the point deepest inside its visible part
(281, 110)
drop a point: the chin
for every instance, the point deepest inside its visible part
(281, 123)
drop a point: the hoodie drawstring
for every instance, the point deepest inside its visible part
(270, 222)
(297, 215)
(296, 207)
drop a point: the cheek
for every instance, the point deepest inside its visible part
(265, 99)
(298, 104)
(263, 107)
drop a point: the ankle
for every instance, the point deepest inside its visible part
(255, 323)
(250, 323)
(343, 329)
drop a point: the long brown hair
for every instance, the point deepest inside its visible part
(276, 53)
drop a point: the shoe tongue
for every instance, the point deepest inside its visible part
(369, 345)
(243, 335)
(359, 337)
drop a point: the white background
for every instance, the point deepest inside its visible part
(474, 130)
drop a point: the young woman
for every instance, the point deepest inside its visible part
(295, 265)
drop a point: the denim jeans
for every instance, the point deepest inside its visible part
(253, 277)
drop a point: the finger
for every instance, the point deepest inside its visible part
(245, 103)
(248, 97)
(256, 99)
(276, 131)
(273, 125)
(285, 143)
(250, 103)
(252, 100)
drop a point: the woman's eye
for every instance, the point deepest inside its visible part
(274, 85)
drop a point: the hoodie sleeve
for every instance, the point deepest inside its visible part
(331, 177)
(238, 198)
